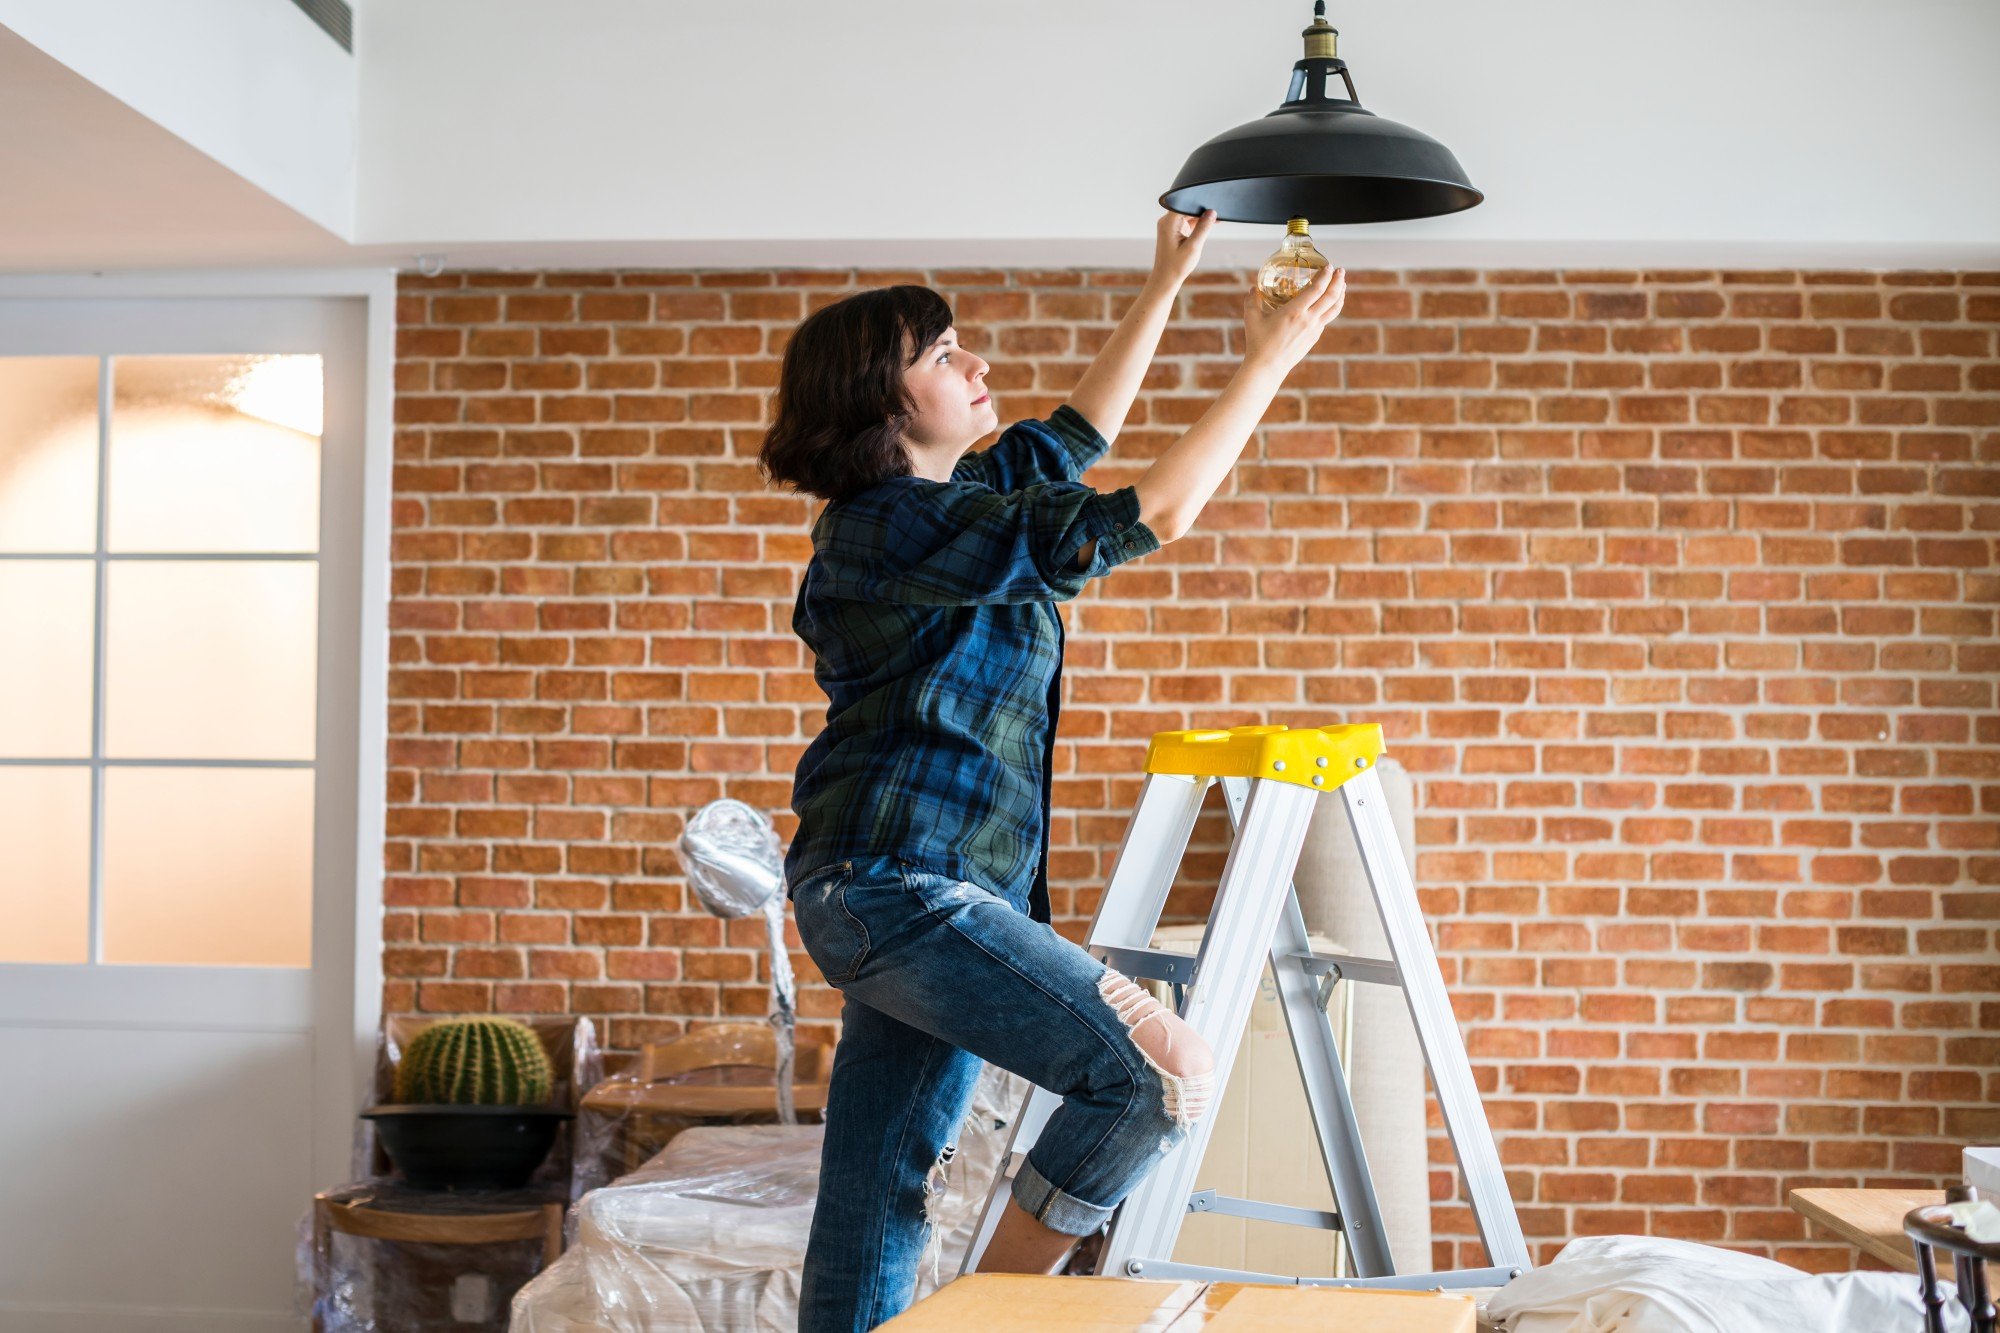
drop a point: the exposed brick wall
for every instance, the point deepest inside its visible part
(1676, 590)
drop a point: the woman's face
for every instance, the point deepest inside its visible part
(948, 386)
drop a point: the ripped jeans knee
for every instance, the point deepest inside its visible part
(1171, 1048)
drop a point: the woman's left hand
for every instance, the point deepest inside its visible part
(1178, 248)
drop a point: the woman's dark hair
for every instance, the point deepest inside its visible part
(837, 428)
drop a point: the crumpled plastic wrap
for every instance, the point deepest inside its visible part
(1979, 1218)
(356, 1284)
(1655, 1284)
(736, 867)
(710, 1235)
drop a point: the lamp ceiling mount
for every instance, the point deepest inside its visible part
(1321, 157)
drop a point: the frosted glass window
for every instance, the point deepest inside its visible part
(215, 453)
(48, 453)
(44, 865)
(211, 659)
(208, 866)
(48, 608)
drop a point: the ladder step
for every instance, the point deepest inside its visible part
(1153, 964)
(1346, 967)
(1498, 1276)
(1208, 1201)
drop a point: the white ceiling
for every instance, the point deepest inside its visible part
(920, 132)
(87, 182)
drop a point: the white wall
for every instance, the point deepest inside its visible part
(1036, 132)
(254, 84)
(911, 130)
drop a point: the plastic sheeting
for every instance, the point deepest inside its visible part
(366, 1285)
(710, 1235)
(736, 867)
(356, 1284)
(620, 1125)
(1645, 1284)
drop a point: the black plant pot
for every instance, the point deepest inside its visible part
(439, 1147)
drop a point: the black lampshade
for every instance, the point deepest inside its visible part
(1323, 158)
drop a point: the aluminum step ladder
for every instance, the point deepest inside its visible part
(1272, 779)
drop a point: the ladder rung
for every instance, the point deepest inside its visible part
(1461, 1279)
(1347, 967)
(1208, 1201)
(1154, 964)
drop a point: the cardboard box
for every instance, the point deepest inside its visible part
(1982, 1171)
(980, 1302)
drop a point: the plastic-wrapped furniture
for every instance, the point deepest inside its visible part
(722, 1072)
(378, 1256)
(710, 1235)
(421, 1273)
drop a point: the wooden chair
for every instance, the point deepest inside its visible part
(723, 1071)
(574, 1064)
(730, 1045)
(1930, 1228)
(353, 1218)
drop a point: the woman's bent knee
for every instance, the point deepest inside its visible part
(1172, 1049)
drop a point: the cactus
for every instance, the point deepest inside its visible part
(474, 1062)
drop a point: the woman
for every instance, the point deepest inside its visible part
(918, 874)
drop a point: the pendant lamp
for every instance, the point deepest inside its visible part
(1321, 157)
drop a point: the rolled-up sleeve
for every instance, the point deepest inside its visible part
(961, 543)
(1059, 449)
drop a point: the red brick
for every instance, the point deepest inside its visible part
(1670, 587)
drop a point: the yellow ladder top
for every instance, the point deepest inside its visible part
(1317, 757)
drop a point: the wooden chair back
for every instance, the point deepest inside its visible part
(723, 1045)
(1930, 1228)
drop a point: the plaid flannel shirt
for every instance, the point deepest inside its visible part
(930, 610)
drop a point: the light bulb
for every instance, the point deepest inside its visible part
(1291, 267)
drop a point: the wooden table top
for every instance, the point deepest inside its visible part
(1018, 1303)
(1871, 1219)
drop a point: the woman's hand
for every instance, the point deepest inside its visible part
(1178, 247)
(1281, 335)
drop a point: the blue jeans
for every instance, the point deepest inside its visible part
(938, 975)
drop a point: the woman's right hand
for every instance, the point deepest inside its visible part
(1281, 335)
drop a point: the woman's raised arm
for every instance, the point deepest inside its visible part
(1174, 489)
(1105, 393)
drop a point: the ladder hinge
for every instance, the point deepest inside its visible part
(1208, 1201)
(1346, 967)
(1152, 964)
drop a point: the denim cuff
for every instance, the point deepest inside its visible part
(1054, 1209)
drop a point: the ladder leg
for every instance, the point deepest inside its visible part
(1035, 1110)
(1148, 860)
(1136, 894)
(1437, 1029)
(1254, 887)
(1327, 1097)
